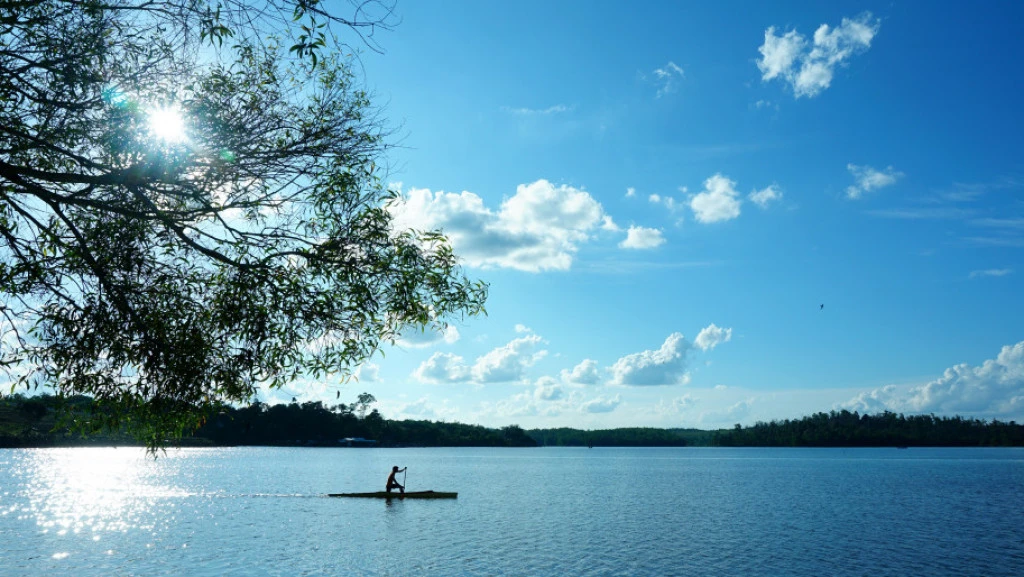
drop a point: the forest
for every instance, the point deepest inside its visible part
(44, 421)
(47, 421)
(624, 437)
(887, 429)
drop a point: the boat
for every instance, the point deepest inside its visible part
(396, 495)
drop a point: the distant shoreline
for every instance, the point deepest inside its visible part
(33, 422)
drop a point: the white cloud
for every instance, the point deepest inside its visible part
(665, 366)
(601, 404)
(676, 405)
(521, 328)
(508, 362)
(421, 409)
(779, 53)
(584, 373)
(997, 272)
(556, 109)
(368, 373)
(667, 201)
(532, 403)
(994, 389)
(874, 401)
(539, 228)
(667, 77)
(442, 368)
(868, 179)
(638, 237)
(548, 389)
(517, 406)
(541, 207)
(712, 336)
(630, 192)
(717, 202)
(733, 413)
(766, 196)
(809, 67)
(418, 339)
(1000, 223)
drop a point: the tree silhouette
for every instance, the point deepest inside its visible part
(886, 429)
(192, 206)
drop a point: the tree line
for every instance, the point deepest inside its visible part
(313, 423)
(46, 420)
(887, 429)
(624, 437)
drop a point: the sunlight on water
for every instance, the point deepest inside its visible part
(96, 490)
(742, 512)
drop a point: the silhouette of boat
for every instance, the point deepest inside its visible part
(397, 495)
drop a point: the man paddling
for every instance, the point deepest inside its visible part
(392, 483)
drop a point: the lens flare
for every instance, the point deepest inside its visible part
(167, 124)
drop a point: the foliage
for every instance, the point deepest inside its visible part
(846, 429)
(30, 421)
(167, 276)
(305, 424)
(695, 437)
(624, 437)
(312, 423)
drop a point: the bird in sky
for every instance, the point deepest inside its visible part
(822, 308)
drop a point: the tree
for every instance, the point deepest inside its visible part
(363, 402)
(191, 206)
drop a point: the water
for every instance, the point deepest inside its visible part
(551, 511)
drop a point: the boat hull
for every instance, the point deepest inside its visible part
(397, 495)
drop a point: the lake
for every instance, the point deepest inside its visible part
(545, 511)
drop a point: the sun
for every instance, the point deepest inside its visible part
(167, 124)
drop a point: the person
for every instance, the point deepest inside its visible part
(392, 483)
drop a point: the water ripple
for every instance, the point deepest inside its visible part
(263, 511)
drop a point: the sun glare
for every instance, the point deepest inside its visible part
(167, 124)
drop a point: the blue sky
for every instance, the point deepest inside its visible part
(662, 195)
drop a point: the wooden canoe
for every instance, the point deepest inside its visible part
(397, 495)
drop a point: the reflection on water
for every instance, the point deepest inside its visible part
(673, 511)
(90, 489)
